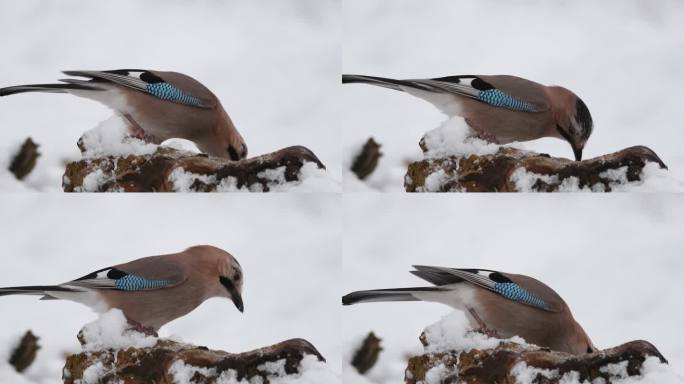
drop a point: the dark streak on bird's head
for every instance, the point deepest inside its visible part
(583, 120)
(230, 285)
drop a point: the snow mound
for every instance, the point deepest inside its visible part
(112, 331)
(453, 333)
(454, 138)
(111, 138)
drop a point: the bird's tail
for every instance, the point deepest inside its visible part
(397, 85)
(39, 290)
(391, 294)
(50, 88)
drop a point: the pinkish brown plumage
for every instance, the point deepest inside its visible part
(504, 304)
(155, 290)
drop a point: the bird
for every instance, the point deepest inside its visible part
(501, 108)
(152, 291)
(496, 303)
(155, 106)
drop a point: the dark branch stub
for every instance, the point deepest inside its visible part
(367, 355)
(24, 354)
(25, 160)
(367, 160)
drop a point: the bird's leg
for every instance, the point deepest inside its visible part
(136, 326)
(482, 327)
(481, 134)
(135, 130)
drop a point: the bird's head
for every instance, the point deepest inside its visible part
(573, 120)
(221, 270)
(229, 143)
(230, 277)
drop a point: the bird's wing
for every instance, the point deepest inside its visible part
(523, 290)
(167, 86)
(124, 279)
(501, 91)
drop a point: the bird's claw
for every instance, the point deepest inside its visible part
(136, 326)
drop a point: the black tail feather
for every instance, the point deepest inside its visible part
(50, 88)
(435, 275)
(379, 81)
(32, 290)
(391, 294)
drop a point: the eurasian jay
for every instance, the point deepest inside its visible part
(155, 290)
(156, 106)
(502, 304)
(501, 109)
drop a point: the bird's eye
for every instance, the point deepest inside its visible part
(589, 349)
(227, 283)
(233, 154)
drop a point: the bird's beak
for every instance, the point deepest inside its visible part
(577, 152)
(237, 300)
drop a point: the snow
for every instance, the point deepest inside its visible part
(312, 372)
(652, 372)
(94, 373)
(311, 179)
(525, 180)
(620, 56)
(454, 138)
(275, 67)
(654, 179)
(434, 181)
(452, 333)
(111, 331)
(287, 245)
(589, 249)
(110, 138)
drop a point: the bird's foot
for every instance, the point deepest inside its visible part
(142, 135)
(482, 327)
(136, 131)
(136, 326)
(481, 134)
(488, 332)
(488, 137)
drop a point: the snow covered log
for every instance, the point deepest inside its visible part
(170, 362)
(515, 170)
(172, 170)
(511, 362)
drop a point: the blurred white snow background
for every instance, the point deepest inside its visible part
(616, 260)
(274, 65)
(288, 246)
(624, 58)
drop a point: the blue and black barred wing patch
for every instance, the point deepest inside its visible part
(112, 278)
(144, 81)
(478, 89)
(513, 291)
